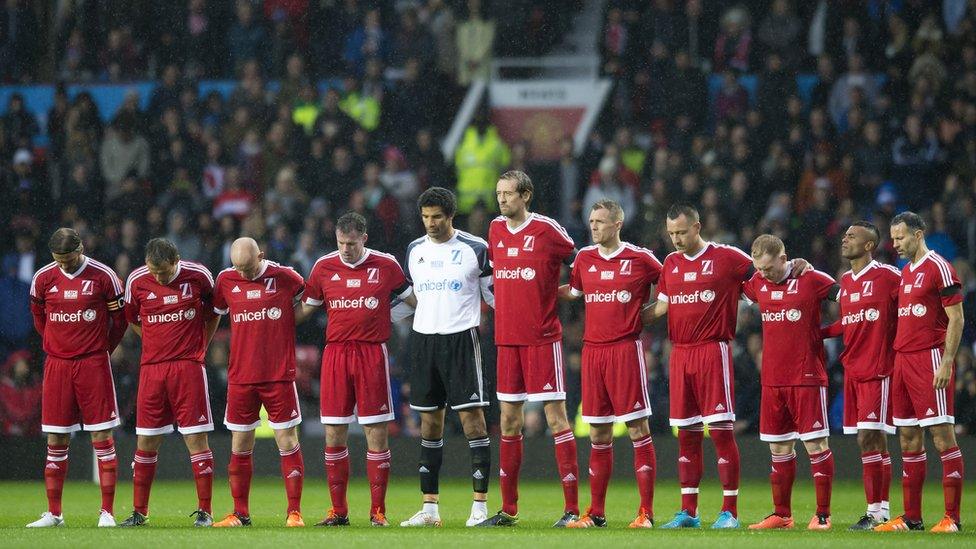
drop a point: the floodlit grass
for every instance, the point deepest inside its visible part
(540, 505)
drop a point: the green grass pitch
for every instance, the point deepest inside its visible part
(540, 504)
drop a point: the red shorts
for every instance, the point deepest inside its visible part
(79, 394)
(356, 383)
(614, 382)
(244, 401)
(790, 413)
(701, 384)
(867, 405)
(531, 372)
(914, 401)
(173, 392)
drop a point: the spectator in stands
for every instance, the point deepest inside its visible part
(779, 32)
(123, 151)
(19, 125)
(20, 396)
(412, 41)
(734, 43)
(247, 38)
(475, 39)
(841, 93)
(368, 41)
(439, 18)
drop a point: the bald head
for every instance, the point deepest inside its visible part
(246, 257)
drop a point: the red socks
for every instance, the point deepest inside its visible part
(293, 473)
(690, 466)
(510, 458)
(872, 469)
(645, 469)
(55, 470)
(781, 478)
(239, 472)
(601, 468)
(952, 475)
(143, 473)
(912, 480)
(203, 473)
(378, 474)
(727, 452)
(885, 489)
(566, 461)
(107, 471)
(337, 474)
(822, 467)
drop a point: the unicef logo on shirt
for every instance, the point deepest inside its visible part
(528, 273)
(189, 314)
(454, 285)
(88, 315)
(793, 315)
(371, 303)
(274, 313)
(872, 314)
(708, 296)
(918, 309)
(623, 296)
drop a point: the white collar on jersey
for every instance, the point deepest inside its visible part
(264, 267)
(914, 266)
(524, 224)
(81, 267)
(700, 252)
(614, 253)
(868, 267)
(179, 267)
(357, 263)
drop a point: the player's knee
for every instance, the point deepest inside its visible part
(911, 439)
(638, 428)
(474, 425)
(870, 441)
(601, 433)
(287, 439)
(150, 443)
(197, 442)
(816, 445)
(59, 439)
(943, 436)
(556, 416)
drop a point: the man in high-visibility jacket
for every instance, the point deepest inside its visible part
(479, 159)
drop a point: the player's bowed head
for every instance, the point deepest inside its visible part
(66, 249)
(769, 257)
(246, 257)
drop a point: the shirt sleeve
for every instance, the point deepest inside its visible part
(576, 279)
(827, 287)
(132, 303)
(314, 293)
(562, 245)
(113, 292)
(950, 288)
(653, 267)
(206, 293)
(219, 303)
(297, 281)
(488, 290)
(748, 291)
(662, 287)
(399, 286)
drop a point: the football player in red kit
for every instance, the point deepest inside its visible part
(793, 375)
(930, 321)
(614, 279)
(868, 320)
(260, 297)
(77, 307)
(169, 303)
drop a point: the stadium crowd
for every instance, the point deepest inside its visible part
(771, 116)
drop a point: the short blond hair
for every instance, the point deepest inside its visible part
(767, 244)
(614, 209)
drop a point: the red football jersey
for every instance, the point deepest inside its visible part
(526, 266)
(703, 293)
(614, 288)
(262, 322)
(793, 351)
(922, 319)
(76, 307)
(173, 317)
(869, 318)
(357, 296)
